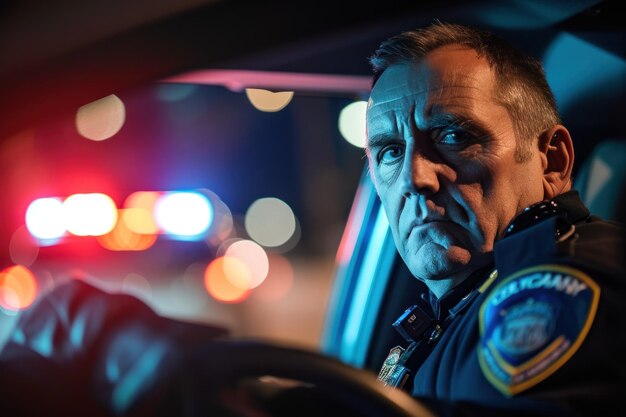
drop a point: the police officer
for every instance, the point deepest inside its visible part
(473, 168)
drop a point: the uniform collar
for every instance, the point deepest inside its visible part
(574, 208)
(442, 306)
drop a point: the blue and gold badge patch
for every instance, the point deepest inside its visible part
(532, 323)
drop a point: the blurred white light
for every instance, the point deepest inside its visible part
(101, 119)
(352, 123)
(221, 250)
(183, 214)
(249, 256)
(44, 218)
(270, 222)
(268, 101)
(89, 214)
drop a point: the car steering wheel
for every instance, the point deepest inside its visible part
(224, 362)
(128, 361)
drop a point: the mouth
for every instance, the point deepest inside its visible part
(422, 224)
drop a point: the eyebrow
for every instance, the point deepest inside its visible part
(435, 122)
(381, 139)
(446, 119)
(466, 123)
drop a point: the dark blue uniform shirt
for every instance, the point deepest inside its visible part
(543, 336)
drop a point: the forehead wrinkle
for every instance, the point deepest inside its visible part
(460, 102)
(399, 82)
(396, 89)
(397, 120)
(460, 92)
(420, 94)
(401, 95)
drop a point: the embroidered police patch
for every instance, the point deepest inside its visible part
(532, 323)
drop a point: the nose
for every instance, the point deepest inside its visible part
(419, 176)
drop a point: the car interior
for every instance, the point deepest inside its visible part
(181, 78)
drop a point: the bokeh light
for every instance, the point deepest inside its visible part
(223, 226)
(101, 119)
(352, 123)
(44, 218)
(18, 288)
(23, 248)
(92, 214)
(139, 215)
(138, 286)
(139, 220)
(46, 281)
(268, 101)
(245, 254)
(219, 286)
(221, 250)
(278, 282)
(142, 199)
(122, 238)
(183, 214)
(270, 222)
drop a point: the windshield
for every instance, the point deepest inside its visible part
(158, 190)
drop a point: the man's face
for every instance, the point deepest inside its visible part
(442, 156)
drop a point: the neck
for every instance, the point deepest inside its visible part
(440, 287)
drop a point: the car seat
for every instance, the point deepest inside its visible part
(601, 180)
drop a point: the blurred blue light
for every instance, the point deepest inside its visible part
(371, 261)
(184, 215)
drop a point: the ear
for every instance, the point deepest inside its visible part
(557, 151)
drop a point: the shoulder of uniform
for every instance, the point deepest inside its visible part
(531, 322)
(597, 244)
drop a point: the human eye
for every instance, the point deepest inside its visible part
(455, 132)
(452, 137)
(390, 153)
